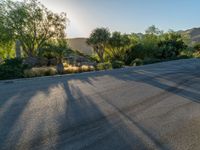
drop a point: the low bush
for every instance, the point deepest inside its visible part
(76, 69)
(184, 57)
(196, 55)
(137, 62)
(72, 69)
(12, 69)
(147, 61)
(86, 68)
(104, 66)
(38, 72)
(187, 52)
(117, 64)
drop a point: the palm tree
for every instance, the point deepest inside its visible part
(57, 48)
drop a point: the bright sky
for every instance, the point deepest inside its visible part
(126, 15)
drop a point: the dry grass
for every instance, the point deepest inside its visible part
(75, 69)
(40, 71)
(49, 71)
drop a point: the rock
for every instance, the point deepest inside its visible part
(42, 62)
(60, 68)
(52, 62)
(36, 61)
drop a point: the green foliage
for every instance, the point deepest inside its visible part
(196, 55)
(117, 64)
(98, 40)
(55, 49)
(117, 46)
(156, 46)
(31, 23)
(151, 61)
(5, 32)
(145, 47)
(170, 46)
(137, 62)
(7, 51)
(149, 43)
(104, 66)
(187, 53)
(94, 58)
(153, 30)
(11, 69)
(197, 47)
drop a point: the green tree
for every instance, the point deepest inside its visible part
(7, 50)
(32, 23)
(57, 48)
(117, 45)
(150, 45)
(6, 41)
(197, 47)
(153, 30)
(170, 45)
(98, 40)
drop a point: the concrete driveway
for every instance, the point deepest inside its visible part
(149, 107)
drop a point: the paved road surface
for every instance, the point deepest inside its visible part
(150, 107)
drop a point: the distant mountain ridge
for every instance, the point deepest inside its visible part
(194, 34)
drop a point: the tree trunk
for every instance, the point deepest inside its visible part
(18, 49)
(60, 67)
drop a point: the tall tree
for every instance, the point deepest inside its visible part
(117, 45)
(32, 24)
(98, 40)
(58, 48)
(170, 45)
(153, 30)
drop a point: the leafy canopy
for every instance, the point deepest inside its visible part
(98, 40)
(32, 23)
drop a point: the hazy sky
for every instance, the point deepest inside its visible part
(126, 15)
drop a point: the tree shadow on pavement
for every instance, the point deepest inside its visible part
(78, 112)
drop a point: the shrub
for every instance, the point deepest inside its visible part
(117, 64)
(65, 64)
(184, 57)
(12, 69)
(187, 52)
(104, 66)
(196, 55)
(151, 60)
(75, 69)
(86, 68)
(41, 71)
(137, 62)
(72, 69)
(136, 51)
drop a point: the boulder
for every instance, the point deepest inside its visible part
(52, 62)
(35, 61)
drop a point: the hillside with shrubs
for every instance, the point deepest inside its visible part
(33, 43)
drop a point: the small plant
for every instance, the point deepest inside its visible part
(104, 66)
(137, 62)
(196, 54)
(117, 64)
